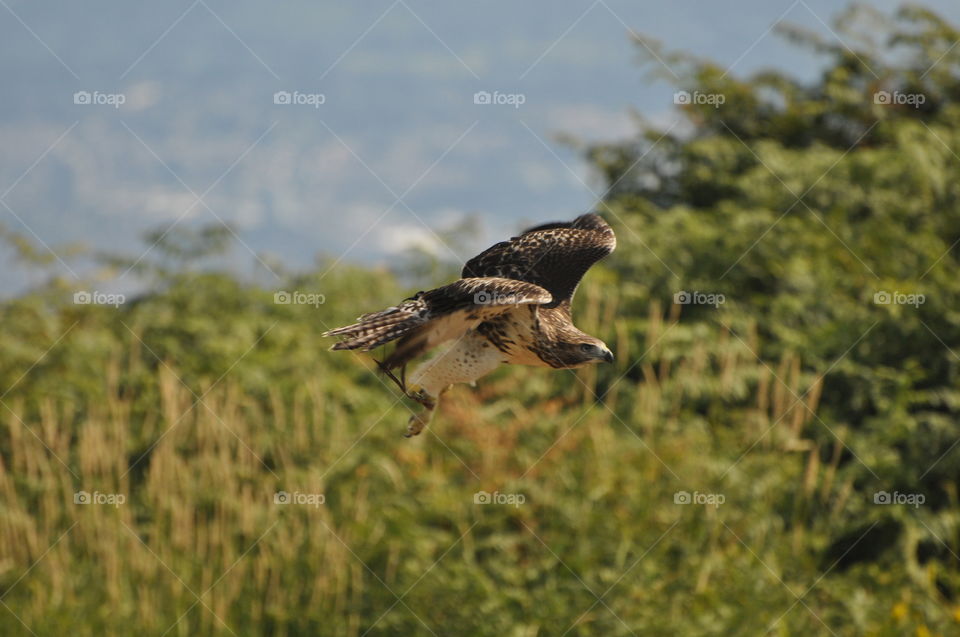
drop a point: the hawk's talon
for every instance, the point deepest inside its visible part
(423, 398)
(420, 420)
(416, 423)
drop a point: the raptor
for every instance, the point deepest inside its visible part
(512, 305)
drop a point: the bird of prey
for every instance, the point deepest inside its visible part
(512, 305)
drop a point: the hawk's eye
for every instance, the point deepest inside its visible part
(586, 348)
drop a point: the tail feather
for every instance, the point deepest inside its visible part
(377, 328)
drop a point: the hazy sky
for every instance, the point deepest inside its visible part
(386, 143)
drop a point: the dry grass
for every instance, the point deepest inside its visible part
(200, 547)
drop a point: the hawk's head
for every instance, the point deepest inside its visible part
(583, 350)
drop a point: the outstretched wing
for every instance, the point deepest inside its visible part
(554, 256)
(430, 318)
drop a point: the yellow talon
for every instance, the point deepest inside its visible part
(420, 420)
(418, 394)
(416, 424)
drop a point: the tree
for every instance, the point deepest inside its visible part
(827, 216)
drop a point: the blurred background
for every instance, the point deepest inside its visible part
(192, 192)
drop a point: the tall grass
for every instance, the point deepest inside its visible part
(399, 546)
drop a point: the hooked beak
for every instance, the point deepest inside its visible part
(608, 356)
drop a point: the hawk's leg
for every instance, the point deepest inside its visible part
(421, 396)
(401, 382)
(418, 420)
(421, 419)
(466, 360)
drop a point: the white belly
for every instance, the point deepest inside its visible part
(463, 362)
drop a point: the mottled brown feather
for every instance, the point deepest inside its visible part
(554, 256)
(432, 317)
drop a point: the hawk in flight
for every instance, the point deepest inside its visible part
(512, 305)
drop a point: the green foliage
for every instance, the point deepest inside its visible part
(796, 400)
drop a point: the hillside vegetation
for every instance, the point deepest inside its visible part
(778, 457)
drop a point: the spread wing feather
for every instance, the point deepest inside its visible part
(433, 317)
(554, 256)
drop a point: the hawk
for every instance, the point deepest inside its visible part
(511, 306)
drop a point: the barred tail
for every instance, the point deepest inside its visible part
(376, 329)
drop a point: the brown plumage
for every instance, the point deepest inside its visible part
(512, 305)
(430, 318)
